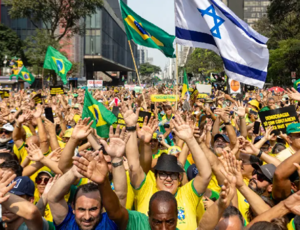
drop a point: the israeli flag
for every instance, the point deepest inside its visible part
(210, 24)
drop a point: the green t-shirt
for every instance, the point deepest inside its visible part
(138, 221)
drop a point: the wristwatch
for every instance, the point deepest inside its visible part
(227, 123)
(115, 165)
(131, 128)
(259, 154)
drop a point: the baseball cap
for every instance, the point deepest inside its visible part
(45, 172)
(76, 106)
(13, 111)
(267, 170)
(225, 137)
(24, 186)
(257, 139)
(293, 128)
(8, 127)
(192, 172)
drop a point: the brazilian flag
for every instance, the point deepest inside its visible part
(157, 78)
(54, 60)
(102, 117)
(25, 75)
(185, 87)
(145, 33)
(297, 85)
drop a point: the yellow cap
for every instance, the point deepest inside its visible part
(174, 150)
(154, 136)
(68, 132)
(254, 103)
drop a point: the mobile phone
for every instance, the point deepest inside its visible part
(152, 107)
(256, 127)
(49, 114)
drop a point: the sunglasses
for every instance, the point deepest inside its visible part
(163, 175)
(260, 177)
(40, 180)
(5, 132)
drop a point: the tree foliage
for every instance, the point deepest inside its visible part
(10, 44)
(204, 61)
(63, 14)
(147, 69)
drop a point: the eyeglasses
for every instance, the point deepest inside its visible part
(260, 177)
(5, 132)
(40, 180)
(163, 175)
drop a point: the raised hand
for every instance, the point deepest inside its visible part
(117, 144)
(38, 112)
(82, 129)
(49, 126)
(129, 116)
(24, 117)
(226, 195)
(223, 113)
(268, 134)
(182, 128)
(241, 109)
(34, 153)
(50, 183)
(6, 185)
(209, 124)
(250, 149)
(293, 94)
(95, 170)
(55, 155)
(146, 132)
(292, 203)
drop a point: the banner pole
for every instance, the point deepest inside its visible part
(176, 105)
(136, 70)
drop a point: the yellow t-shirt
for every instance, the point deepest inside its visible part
(291, 225)
(213, 184)
(186, 196)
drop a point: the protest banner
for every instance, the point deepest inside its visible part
(204, 88)
(121, 122)
(130, 87)
(202, 96)
(95, 83)
(162, 98)
(56, 90)
(279, 119)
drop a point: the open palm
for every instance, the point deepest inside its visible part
(146, 132)
(82, 129)
(182, 128)
(129, 116)
(34, 153)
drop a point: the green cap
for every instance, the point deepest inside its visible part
(293, 128)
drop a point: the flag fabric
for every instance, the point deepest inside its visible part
(54, 60)
(102, 117)
(145, 33)
(26, 75)
(210, 24)
(13, 75)
(185, 87)
(297, 85)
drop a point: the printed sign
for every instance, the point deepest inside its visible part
(37, 99)
(162, 98)
(4, 93)
(121, 121)
(56, 90)
(234, 86)
(130, 87)
(94, 83)
(203, 88)
(279, 119)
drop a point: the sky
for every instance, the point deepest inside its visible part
(160, 13)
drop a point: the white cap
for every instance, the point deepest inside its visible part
(8, 127)
(13, 111)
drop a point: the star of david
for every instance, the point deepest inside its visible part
(210, 11)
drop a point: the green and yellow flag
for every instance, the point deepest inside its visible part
(145, 33)
(102, 117)
(185, 87)
(59, 63)
(24, 74)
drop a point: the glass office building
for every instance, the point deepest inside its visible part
(254, 10)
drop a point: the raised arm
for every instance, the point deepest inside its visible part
(58, 205)
(116, 150)
(50, 129)
(44, 144)
(136, 172)
(96, 170)
(80, 132)
(241, 112)
(18, 130)
(185, 132)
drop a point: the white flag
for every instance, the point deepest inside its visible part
(209, 24)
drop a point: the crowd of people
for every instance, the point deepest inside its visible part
(197, 168)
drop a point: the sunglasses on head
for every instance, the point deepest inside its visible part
(5, 132)
(260, 177)
(40, 180)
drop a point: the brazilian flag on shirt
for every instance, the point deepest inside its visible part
(145, 33)
(102, 117)
(26, 75)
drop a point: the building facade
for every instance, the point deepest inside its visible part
(254, 10)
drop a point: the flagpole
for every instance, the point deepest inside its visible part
(176, 105)
(136, 70)
(43, 78)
